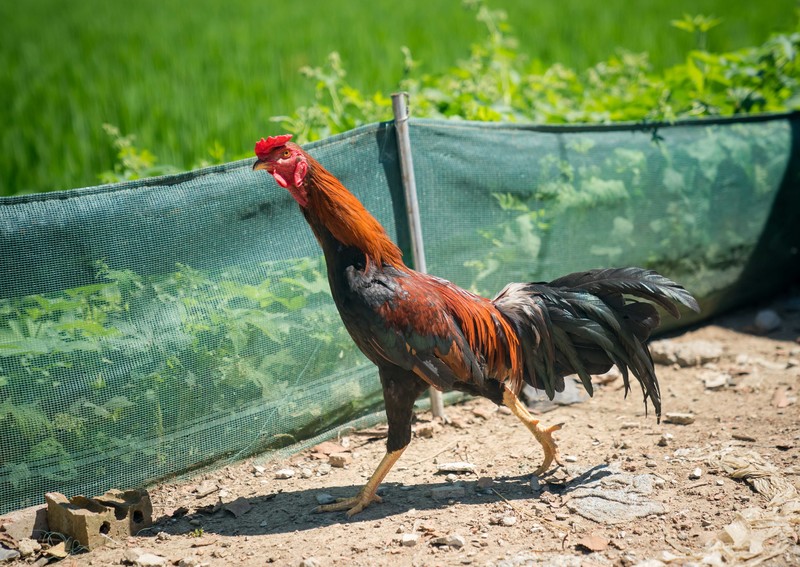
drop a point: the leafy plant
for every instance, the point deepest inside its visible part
(497, 83)
(135, 361)
(133, 162)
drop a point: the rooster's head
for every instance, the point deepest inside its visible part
(287, 163)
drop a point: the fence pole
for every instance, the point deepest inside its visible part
(400, 109)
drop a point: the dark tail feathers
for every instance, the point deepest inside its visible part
(581, 324)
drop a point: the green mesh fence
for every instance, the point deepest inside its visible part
(153, 327)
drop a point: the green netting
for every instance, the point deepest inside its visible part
(501, 203)
(152, 327)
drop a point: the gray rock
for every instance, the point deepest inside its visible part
(716, 380)
(573, 393)
(688, 353)
(324, 498)
(610, 496)
(409, 540)
(8, 554)
(310, 562)
(453, 540)
(767, 320)
(284, 473)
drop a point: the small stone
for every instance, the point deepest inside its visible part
(59, 551)
(659, 482)
(263, 524)
(508, 521)
(195, 522)
(720, 482)
(141, 558)
(324, 469)
(696, 473)
(190, 562)
(483, 413)
(562, 516)
(485, 482)
(310, 562)
(651, 464)
(284, 473)
(448, 492)
(679, 418)
(451, 478)
(571, 459)
(425, 431)
(536, 486)
(27, 547)
(409, 540)
(239, 507)
(258, 470)
(716, 380)
(205, 489)
(328, 447)
(665, 439)
(324, 498)
(743, 437)
(163, 536)
(453, 540)
(8, 554)
(223, 494)
(457, 467)
(592, 543)
(306, 472)
(340, 460)
(767, 320)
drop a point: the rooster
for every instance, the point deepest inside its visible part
(422, 331)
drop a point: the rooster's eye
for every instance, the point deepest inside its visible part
(286, 153)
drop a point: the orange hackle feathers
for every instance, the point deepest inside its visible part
(347, 219)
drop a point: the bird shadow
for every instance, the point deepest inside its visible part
(285, 511)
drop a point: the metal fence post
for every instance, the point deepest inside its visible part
(400, 109)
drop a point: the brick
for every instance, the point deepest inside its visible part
(99, 521)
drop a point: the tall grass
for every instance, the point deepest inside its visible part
(184, 76)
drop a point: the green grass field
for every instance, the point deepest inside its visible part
(184, 75)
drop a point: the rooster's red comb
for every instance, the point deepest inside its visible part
(263, 146)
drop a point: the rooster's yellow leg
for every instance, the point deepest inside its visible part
(367, 494)
(544, 435)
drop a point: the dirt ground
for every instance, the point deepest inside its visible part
(667, 490)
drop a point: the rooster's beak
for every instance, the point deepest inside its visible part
(261, 165)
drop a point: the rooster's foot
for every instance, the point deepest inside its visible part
(544, 435)
(353, 505)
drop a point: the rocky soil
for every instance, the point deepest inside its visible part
(715, 483)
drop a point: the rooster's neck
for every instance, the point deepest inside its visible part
(334, 212)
